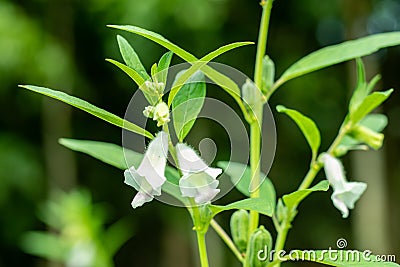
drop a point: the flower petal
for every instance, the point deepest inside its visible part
(201, 186)
(140, 199)
(149, 177)
(190, 162)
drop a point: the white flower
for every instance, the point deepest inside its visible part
(345, 193)
(149, 177)
(198, 180)
(161, 114)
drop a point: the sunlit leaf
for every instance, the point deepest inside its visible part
(131, 58)
(307, 127)
(187, 104)
(89, 108)
(293, 199)
(254, 204)
(335, 54)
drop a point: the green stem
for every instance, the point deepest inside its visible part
(255, 126)
(225, 237)
(201, 241)
(262, 40)
(255, 143)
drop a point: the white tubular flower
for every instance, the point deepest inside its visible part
(345, 193)
(161, 114)
(198, 181)
(149, 177)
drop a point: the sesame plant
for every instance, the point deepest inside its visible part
(171, 166)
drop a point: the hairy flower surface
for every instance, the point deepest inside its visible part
(148, 178)
(198, 180)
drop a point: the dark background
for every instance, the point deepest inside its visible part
(62, 45)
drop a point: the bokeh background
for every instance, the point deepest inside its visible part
(62, 44)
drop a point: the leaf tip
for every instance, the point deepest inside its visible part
(280, 108)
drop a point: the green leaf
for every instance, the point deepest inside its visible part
(131, 58)
(240, 175)
(187, 103)
(340, 258)
(254, 204)
(369, 104)
(44, 245)
(335, 54)
(133, 74)
(293, 199)
(89, 108)
(201, 64)
(360, 93)
(307, 127)
(151, 97)
(163, 65)
(117, 234)
(157, 38)
(109, 153)
(220, 79)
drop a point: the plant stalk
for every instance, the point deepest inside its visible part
(256, 125)
(225, 237)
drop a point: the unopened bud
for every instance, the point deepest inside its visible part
(148, 111)
(367, 136)
(268, 74)
(253, 98)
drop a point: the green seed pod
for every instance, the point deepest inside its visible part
(253, 98)
(240, 229)
(259, 247)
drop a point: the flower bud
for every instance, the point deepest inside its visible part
(240, 229)
(367, 136)
(148, 111)
(161, 114)
(259, 247)
(153, 91)
(253, 98)
(268, 74)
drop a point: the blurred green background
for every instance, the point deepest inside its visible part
(62, 44)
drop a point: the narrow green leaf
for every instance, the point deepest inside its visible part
(151, 98)
(369, 104)
(135, 76)
(307, 127)
(293, 199)
(201, 64)
(341, 258)
(221, 80)
(187, 104)
(335, 54)
(117, 234)
(44, 245)
(109, 153)
(131, 58)
(157, 38)
(240, 175)
(163, 65)
(254, 204)
(89, 108)
(360, 93)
